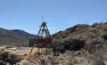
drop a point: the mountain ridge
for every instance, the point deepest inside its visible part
(15, 32)
(15, 37)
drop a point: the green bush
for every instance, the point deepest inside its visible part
(5, 54)
(37, 53)
(69, 63)
(50, 57)
(26, 63)
(13, 56)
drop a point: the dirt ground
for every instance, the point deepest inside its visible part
(26, 50)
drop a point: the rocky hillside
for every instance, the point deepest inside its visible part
(82, 36)
(14, 37)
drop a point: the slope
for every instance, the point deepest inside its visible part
(82, 36)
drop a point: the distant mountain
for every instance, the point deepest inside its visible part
(15, 32)
(21, 33)
(15, 37)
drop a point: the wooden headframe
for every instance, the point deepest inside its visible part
(43, 36)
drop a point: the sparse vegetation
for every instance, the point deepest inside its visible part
(69, 63)
(5, 54)
(18, 58)
(98, 57)
(26, 63)
(43, 61)
(82, 33)
(0, 51)
(13, 56)
(50, 57)
(76, 53)
(37, 53)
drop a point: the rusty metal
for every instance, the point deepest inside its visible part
(41, 39)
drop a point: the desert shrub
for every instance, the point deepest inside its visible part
(104, 36)
(58, 37)
(54, 35)
(76, 44)
(5, 54)
(57, 42)
(84, 64)
(73, 60)
(76, 53)
(83, 50)
(79, 61)
(37, 53)
(98, 57)
(57, 45)
(10, 58)
(18, 58)
(60, 58)
(26, 63)
(0, 51)
(68, 63)
(13, 56)
(25, 54)
(43, 61)
(50, 57)
(14, 59)
(98, 61)
(54, 62)
(94, 25)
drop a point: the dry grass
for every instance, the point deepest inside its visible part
(97, 57)
(69, 63)
(50, 57)
(83, 64)
(27, 63)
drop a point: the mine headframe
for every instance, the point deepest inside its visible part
(43, 38)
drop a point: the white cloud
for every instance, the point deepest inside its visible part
(52, 27)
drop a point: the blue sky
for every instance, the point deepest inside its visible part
(59, 14)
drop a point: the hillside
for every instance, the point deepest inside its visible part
(14, 37)
(14, 32)
(90, 37)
